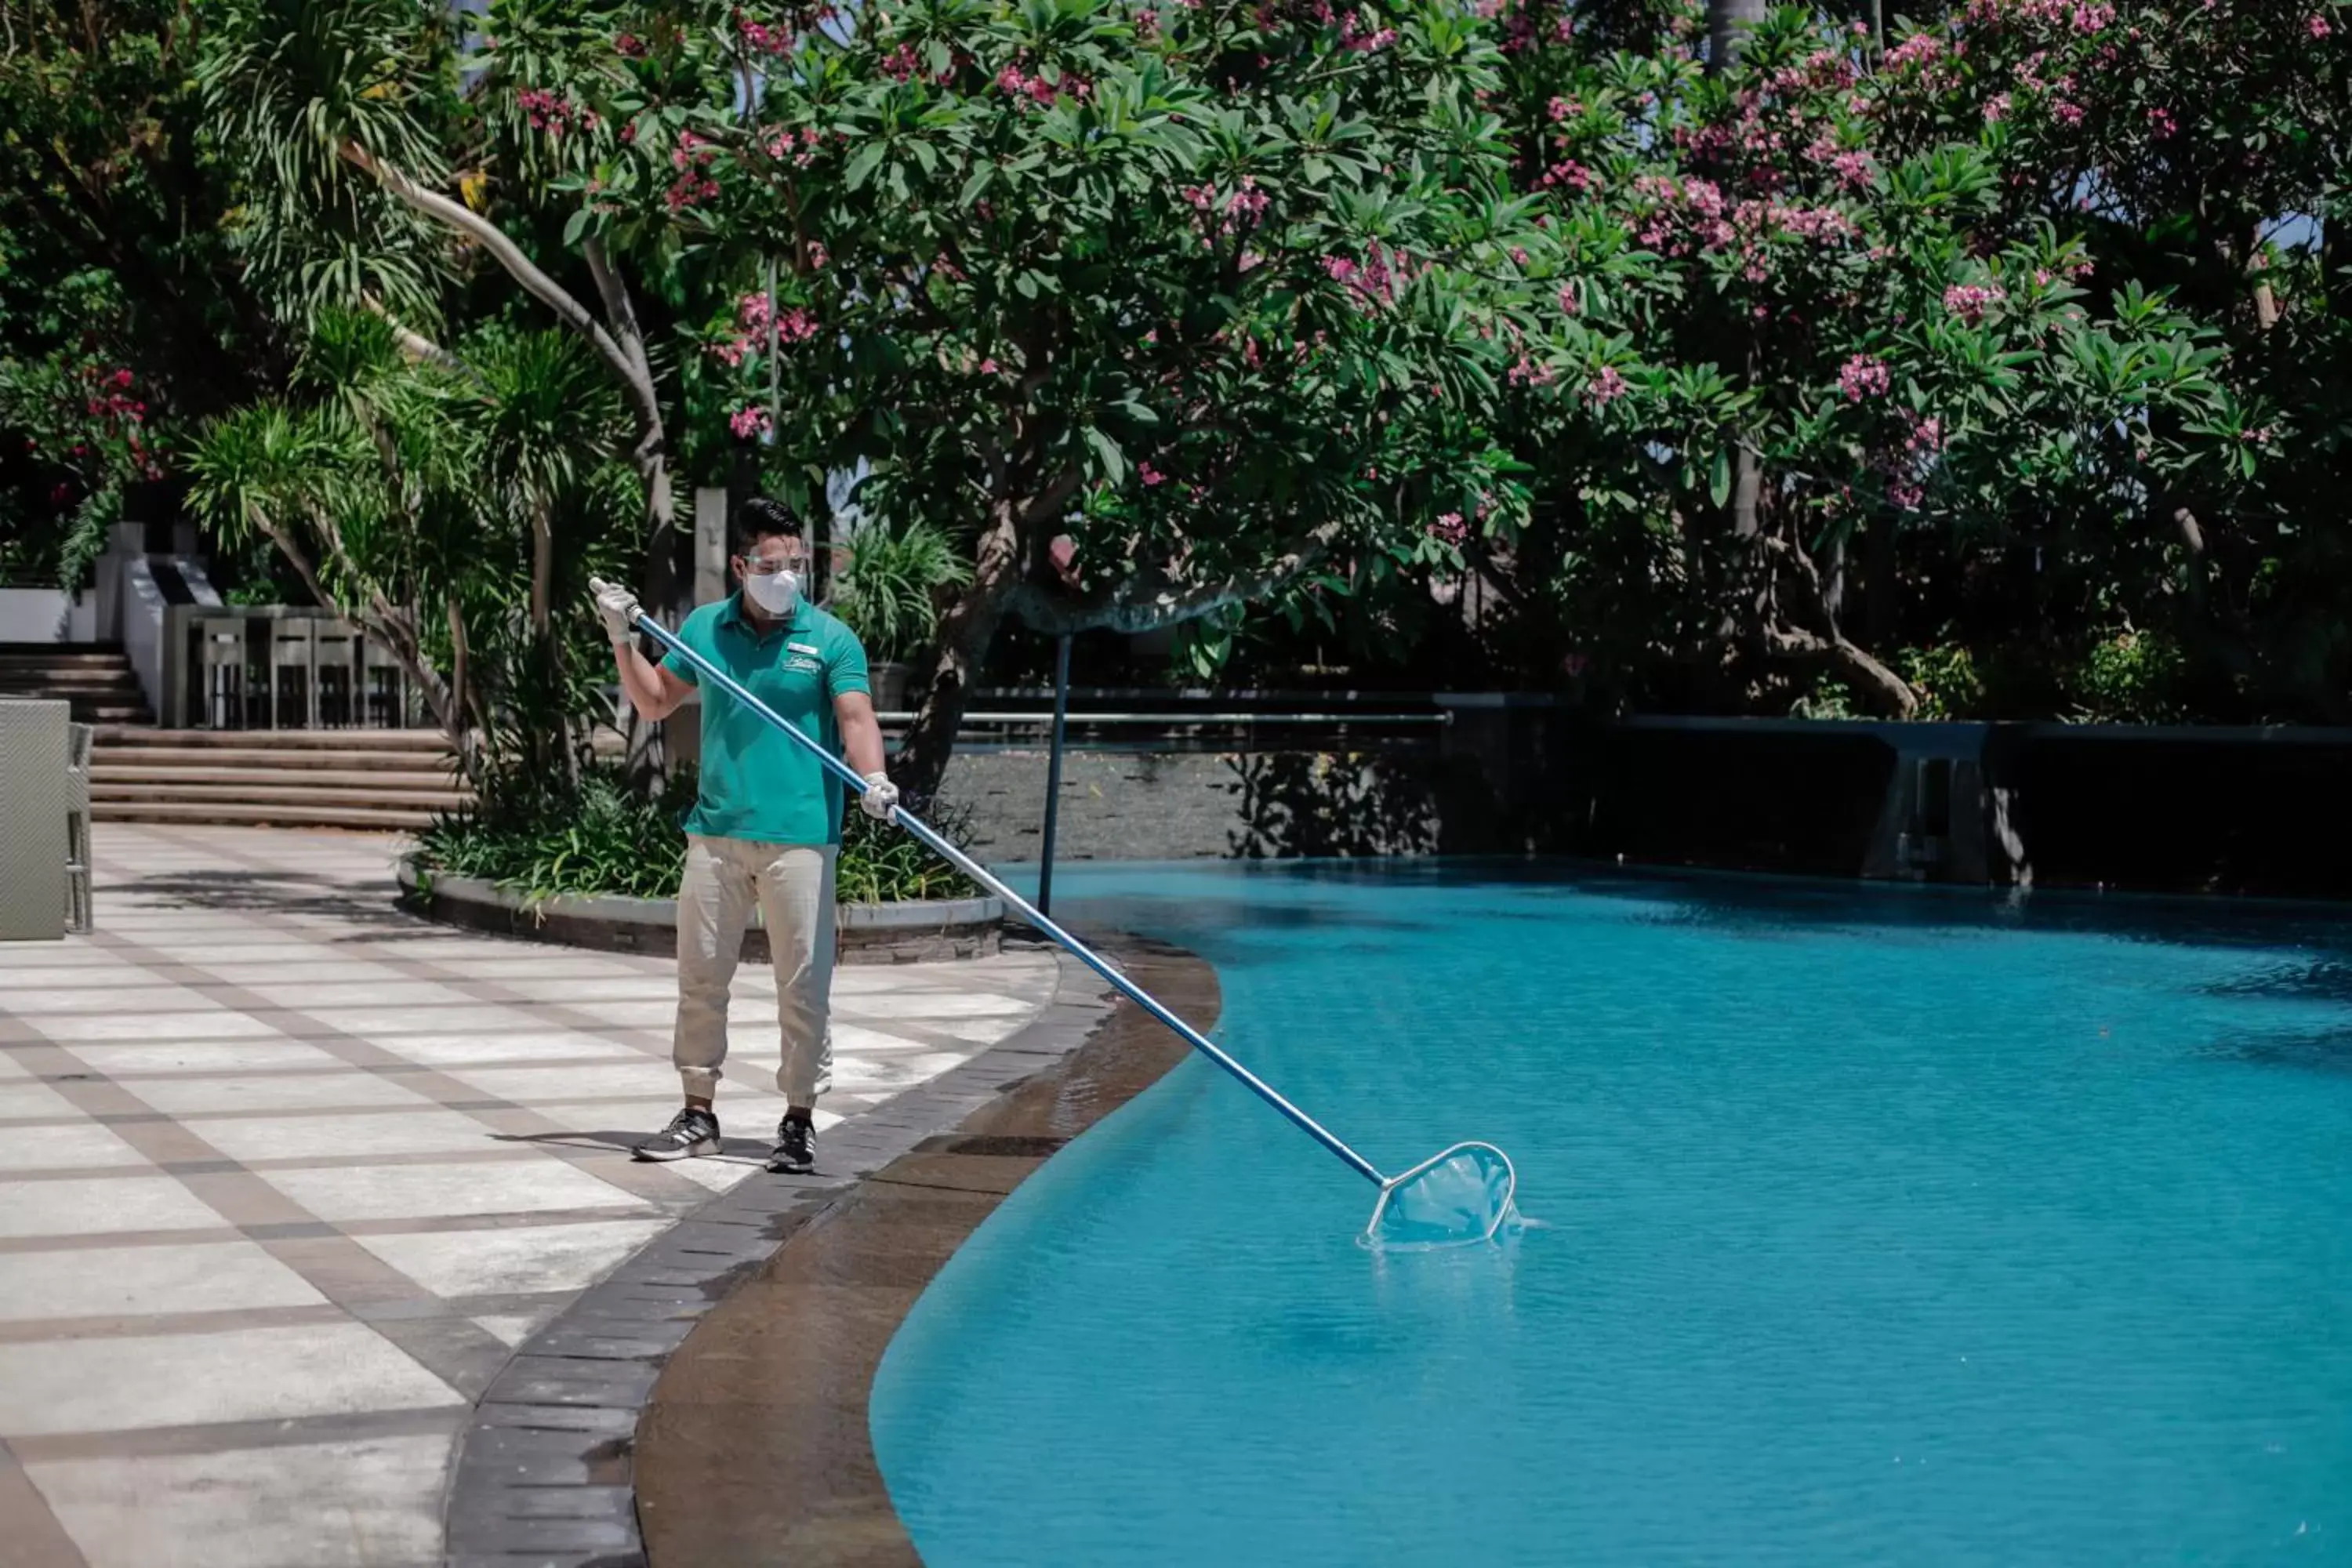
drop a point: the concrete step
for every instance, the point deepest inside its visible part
(378, 819)
(428, 742)
(89, 710)
(402, 782)
(251, 792)
(288, 763)
(79, 677)
(21, 655)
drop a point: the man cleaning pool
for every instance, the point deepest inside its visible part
(766, 825)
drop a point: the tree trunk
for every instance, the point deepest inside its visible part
(966, 632)
(1883, 586)
(1729, 23)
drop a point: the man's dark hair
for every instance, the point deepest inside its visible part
(760, 519)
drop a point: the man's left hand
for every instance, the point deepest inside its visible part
(881, 798)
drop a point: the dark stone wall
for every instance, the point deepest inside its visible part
(1188, 806)
(2212, 811)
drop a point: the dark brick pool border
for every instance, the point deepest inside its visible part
(754, 1448)
(548, 1472)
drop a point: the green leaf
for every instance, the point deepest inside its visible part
(572, 226)
(1719, 482)
(1114, 461)
(974, 187)
(861, 167)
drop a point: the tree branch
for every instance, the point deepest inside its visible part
(1156, 599)
(508, 254)
(622, 312)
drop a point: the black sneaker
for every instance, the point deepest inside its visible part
(690, 1132)
(795, 1152)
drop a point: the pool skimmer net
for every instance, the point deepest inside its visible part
(1460, 1198)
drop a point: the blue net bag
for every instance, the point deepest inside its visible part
(1455, 1199)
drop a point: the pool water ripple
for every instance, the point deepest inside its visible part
(1879, 1229)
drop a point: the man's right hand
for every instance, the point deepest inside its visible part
(617, 608)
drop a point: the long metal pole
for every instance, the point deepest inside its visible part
(925, 834)
(1054, 771)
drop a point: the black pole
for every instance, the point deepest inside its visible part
(1054, 772)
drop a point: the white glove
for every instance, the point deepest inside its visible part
(881, 798)
(617, 608)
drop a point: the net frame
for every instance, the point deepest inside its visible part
(1498, 1216)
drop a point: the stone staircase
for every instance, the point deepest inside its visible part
(376, 780)
(96, 678)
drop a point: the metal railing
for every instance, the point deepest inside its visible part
(278, 667)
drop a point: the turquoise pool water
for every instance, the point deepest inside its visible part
(1881, 1228)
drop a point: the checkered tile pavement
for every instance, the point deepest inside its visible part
(285, 1174)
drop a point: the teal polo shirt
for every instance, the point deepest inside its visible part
(758, 782)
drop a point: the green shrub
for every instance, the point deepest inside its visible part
(607, 838)
(2131, 677)
(886, 592)
(1945, 678)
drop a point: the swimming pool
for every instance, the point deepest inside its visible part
(1881, 1227)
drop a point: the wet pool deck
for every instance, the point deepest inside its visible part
(754, 1450)
(287, 1177)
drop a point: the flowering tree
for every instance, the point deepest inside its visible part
(1165, 313)
(1857, 273)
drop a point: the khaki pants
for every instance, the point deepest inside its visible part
(792, 885)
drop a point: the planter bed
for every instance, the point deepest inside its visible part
(916, 933)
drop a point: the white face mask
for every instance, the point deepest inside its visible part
(775, 592)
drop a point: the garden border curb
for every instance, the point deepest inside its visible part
(543, 1473)
(915, 931)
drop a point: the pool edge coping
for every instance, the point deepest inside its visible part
(755, 1445)
(545, 1471)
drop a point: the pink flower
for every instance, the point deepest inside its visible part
(1149, 475)
(1572, 303)
(1864, 377)
(1903, 496)
(748, 422)
(818, 256)
(1606, 386)
(1449, 528)
(1920, 49)
(988, 367)
(2317, 26)
(1996, 109)
(2066, 113)
(767, 40)
(2160, 120)
(629, 46)
(1852, 168)
(900, 64)
(1970, 301)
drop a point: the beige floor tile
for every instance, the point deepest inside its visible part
(275, 1091)
(84, 1147)
(514, 1258)
(204, 1056)
(176, 1380)
(320, 1137)
(97, 1206)
(410, 1192)
(366, 1504)
(96, 1282)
